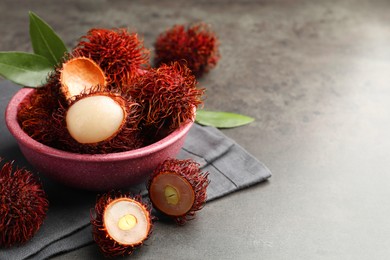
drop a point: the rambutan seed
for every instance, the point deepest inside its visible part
(23, 205)
(80, 74)
(120, 223)
(178, 189)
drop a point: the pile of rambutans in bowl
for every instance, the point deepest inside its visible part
(106, 118)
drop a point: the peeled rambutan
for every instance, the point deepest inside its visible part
(197, 45)
(121, 54)
(178, 189)
(23, 205)
(120, 223)
(99, 122)
(80, 74)
(168, 96)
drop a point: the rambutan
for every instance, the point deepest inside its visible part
(168, 96)
(120, 223)
(197, 46)
(35, 112)
(121, 54)
(23, 205)
(178, 189)
(99, 122)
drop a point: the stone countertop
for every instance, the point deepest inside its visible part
(315, 76)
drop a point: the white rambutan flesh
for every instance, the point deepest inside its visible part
(94, 119)
(126, 221)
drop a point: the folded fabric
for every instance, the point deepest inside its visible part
(67, 227)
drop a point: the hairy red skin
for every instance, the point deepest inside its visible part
(189, 170)
(119, 53)
(35, 113)
(23, 205)
(108, 246)
(197, 46)
(168, 96)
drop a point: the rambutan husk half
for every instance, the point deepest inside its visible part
(178, 189)
(120, 223)
(23, 205)
(168, 96)
(120, 53)
(99, 122)
(197, 46)
(80, 74)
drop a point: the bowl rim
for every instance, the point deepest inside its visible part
(26, 140)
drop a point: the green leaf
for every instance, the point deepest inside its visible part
(23, 68)
(221, 119)
(45, 41)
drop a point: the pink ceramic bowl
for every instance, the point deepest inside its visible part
(97, 171)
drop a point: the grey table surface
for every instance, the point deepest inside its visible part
(315, 76)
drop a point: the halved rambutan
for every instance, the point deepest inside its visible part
(178, 189)
(121, 54)
(197, 46)
(99, 122)
(23, 205)
(168, 96)
(120, 223)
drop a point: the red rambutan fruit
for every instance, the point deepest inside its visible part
(120, 223)
(197, 46)
(35, 111)
(99, 122)
(168, 96)
(121, 54)
(178, 189)
(23, 205)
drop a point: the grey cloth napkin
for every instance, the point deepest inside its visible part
(67, 227)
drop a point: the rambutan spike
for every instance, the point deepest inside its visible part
(120, 223)
(178, 189)
(23, 205)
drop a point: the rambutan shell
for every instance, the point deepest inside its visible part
(80, 74)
